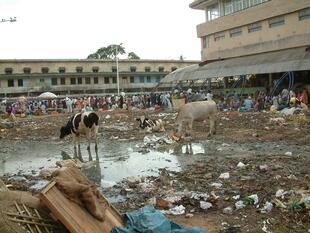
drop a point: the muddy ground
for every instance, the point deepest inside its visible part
(274, 156)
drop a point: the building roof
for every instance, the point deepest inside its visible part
(295, 59)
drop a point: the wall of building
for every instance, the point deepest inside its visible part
(145, 77)
(293, 33)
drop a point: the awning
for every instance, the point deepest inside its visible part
(295, 59)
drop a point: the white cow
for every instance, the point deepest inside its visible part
(86, 123)
(197, 111)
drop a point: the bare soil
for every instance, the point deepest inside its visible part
(279, 170)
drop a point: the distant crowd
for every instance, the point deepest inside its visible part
(258, 101)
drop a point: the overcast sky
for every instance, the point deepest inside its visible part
(60, 29)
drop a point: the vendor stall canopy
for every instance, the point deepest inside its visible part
(295, 59)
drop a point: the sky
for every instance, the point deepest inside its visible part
(73, 29)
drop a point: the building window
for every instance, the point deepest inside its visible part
(213, 12)
(205, 42)
(62, 81)
(161, 69)
(79, 80)
(42, 80)
(72, 81)
(173, 68)
(114, 80)
(147, 69)
(148, 79)
(231, 6)
(44, 70)
(54, 81)
(8, 70)
(95, 69)
(132, 79)
(277, 21)
(254, 27)
(27, 70)
(219, 36)
(133, 69)
(87, 80)
(11, 83)
(158, 79)
(106, 80)
(20, 82)
(62, 70)
(79, 69)
(141, 79)
(235, 32)
(114, 69)
(304, 14)
(96, 80)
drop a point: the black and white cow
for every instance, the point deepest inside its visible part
(151, 125)
(86, 123)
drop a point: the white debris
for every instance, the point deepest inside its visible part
(224, 175)
(267, 207)
(177, 210)
(237, 197)
(239, 205)
(228, 210)
(288, 153)
(240, 165)
(200, 196)
(254, 197)
(205, 205)
(281, 193)
(108, 116)
(216, 185)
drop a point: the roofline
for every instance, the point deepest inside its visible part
(98, 60)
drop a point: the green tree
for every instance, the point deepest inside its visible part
(111, 52)
(132, 55)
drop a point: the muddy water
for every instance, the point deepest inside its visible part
(123, 158)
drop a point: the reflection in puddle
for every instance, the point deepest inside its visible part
(117, 159)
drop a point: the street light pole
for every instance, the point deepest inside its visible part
(117, 73)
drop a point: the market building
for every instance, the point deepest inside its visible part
(82, 77)
(252, 39)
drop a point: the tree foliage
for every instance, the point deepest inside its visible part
(132, 55)
(111, 52)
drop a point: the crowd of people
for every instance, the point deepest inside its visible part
(258, 101)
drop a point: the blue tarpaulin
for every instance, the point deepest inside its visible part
(150, 220)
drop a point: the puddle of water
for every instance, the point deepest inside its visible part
(118, 159)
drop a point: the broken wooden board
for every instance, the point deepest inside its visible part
(76, 218)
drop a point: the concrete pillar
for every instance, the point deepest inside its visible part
(270, 84)
(225, 82)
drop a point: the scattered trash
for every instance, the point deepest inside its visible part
(228, 210)
(267, 207)
(205, 205)
(177, 210)
(288, 153)
(224, 175)
(252, 199)
(280, 193)
(240, 165)
(239, 205)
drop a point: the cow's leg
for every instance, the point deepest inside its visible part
(74, 147)
(190, 127)
(88, 136)
(79, 149)
(212, 125)
(96, 147)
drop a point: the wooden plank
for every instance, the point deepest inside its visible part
(74, 217)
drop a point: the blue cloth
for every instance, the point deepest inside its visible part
(150, 220)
